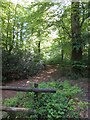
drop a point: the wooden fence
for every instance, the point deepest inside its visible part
(36, 91)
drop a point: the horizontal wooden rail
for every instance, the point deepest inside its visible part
(16, 109)
(36, 90)
(27, 89)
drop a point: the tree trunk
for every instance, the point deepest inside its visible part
(21, 34)
(62, 54)
(39, 45)
(89, 40)
(76, 55)
(7, 38)
(89, 62)
(39, 50)
(89, 56)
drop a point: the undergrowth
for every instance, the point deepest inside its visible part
(62, 105)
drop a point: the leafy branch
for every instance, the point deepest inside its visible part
(85, 16)
(65, 28)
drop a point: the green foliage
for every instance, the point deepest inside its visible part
(20, 64)
(80, 68)
(53, 60)
(65, 69)
(12, 102)
(63, 104)
(21, 99)
(23, 27)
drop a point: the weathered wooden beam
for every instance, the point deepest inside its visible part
(16, 109)
(27, 89)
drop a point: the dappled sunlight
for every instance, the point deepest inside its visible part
(45, 42)
(44, 76)
(51, 71)
(28, 82)
(36, 80)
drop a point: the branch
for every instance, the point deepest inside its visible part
(83, 15)
(86, 15)
(66, 30)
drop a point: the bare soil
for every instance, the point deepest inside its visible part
(46, 75)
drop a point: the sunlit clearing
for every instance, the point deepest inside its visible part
(22, 2)
(26, 2)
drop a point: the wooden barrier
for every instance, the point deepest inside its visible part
(16, 109)
(36, 91)
(23, 89)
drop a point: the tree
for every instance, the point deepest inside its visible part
(89, 40)
(76, 32)
(76, 28)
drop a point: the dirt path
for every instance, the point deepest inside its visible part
(46, 75)
(49, 74)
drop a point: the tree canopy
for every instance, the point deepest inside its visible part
(48, 31)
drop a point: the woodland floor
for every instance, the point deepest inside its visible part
(51, 73)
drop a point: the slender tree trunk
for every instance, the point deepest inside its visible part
(76, 55)
(7, 32)
(89, 57)
(89, 61)
(17, 41)
(62, 54)
(11, 42)
(39, 45)
(39, 48)
(89, 40)
(21, 34)
(14, 22)
(2, 34)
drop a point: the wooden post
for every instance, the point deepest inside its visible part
(36, 100)
(35, 93)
